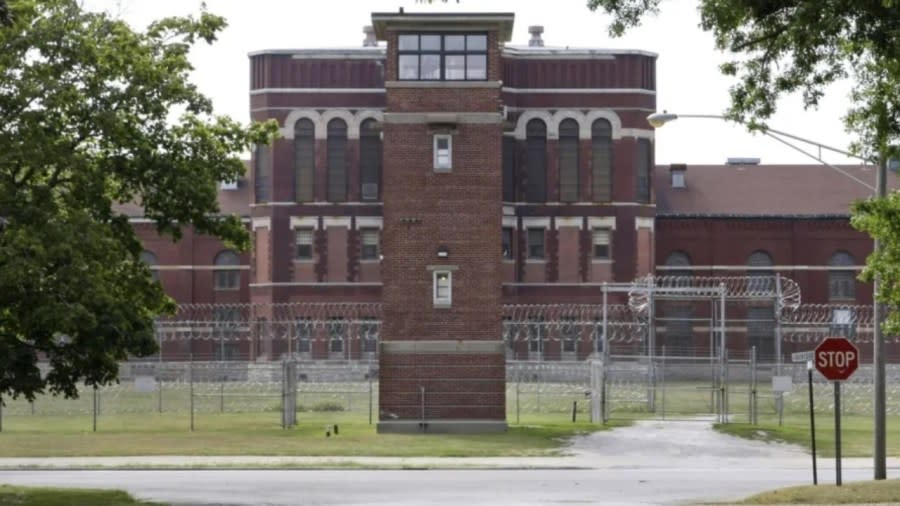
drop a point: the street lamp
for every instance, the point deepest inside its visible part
(659, 119)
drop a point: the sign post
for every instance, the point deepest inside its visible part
(809, 357)
(837, 359)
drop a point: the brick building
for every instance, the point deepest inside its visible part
(445, 172)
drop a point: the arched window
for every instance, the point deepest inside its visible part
(369, 159)
(601, 170)
(149, 258)
(679, 259)
(536, 161)
(262, 173)
(337, 160)
(642, 170)
(762, 278)
(304, 159)
(841, 277)
(226, 275)
(568, 161)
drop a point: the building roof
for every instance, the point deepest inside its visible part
(426, 20)
(763, 190)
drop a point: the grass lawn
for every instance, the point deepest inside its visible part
(863, 492)
(856, 432)
(38, 496)
(261, 434)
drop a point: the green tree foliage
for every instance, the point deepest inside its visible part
(92, 114)
(781, 47)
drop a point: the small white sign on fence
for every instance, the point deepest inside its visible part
(144, 384)
(802, 356)
(782, 383)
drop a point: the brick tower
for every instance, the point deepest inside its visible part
(442, 363)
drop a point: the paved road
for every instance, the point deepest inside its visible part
(650, 463)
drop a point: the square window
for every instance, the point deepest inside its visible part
(476, 42)
(443, 152)
(507, 243)
(431, 67)
(443, 288)
(369, 248)
(409, 66)
(601, 243)
(476, 66)
(408, 42)
(536, 243)
(454, 67)
(304, 242)
(430, 42)
(455, 43)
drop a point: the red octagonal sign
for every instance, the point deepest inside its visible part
(836, 358)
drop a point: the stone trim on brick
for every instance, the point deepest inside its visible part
(442, 346)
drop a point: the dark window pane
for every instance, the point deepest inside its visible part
(601, 151)
(507, 243)
(431, 67)
(337, 160)
(476, 66)
(262, 173)
(370, 159)
(476, 42)
(644, 159)
(408, 42)
(454, 43)
(304, 160)
(536, 161)
(455, 67)
(568, 161)
(409, 66)
(536, 243)
(431, 43)
(509, 169)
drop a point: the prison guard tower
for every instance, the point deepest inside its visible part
(442, 365)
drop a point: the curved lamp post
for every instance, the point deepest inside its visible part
(659, 119)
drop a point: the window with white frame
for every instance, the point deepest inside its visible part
(369, 249)
(304, 243)
(569, 334)
(443, 288)
(601, 244)
(842, 323)
(443, 152)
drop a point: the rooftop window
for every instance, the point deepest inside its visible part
(442, 57)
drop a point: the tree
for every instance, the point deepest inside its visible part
(88, 120)
(781, 47)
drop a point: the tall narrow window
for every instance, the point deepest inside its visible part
(762, 276)
(679, 259)
(304, 159)
(601, 169)
(568, 161)
(602, 250)
(337, 160)
(304, 242)
(303, 332)
(536, 161)
(369, 248)
(536, 243)
(761, 331)
(642, 170)
(262, 173)
(841, 277)
(507, 243)
(149, 258)
(569, 334)
(443, 152)
(368, 333)
(226, 273)
(370, 160)
(536, 336)
(443, 288)
(509, 169)
(337, 330)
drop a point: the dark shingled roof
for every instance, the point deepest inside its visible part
(763, 190)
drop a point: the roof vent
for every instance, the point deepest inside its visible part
(370, 37)
(742, 161)
(536, 40)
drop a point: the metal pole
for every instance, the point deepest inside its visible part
(604, 357)
(95, 408)
(1, 414)
(370, 394)
(721, 347)
(812, 422)
(651, 351)
(159, 389)
(779, 359)
(518, 391)
(880, 443)
(222, 394)
(753, 385)
(662, 377)
(191, 388)
(837, 432)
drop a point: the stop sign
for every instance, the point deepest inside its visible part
(836, 358)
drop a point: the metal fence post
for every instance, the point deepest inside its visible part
(370, 394)
(518, 392)
(1, 414)
(191, 388)
(159, 391)
(752, 407)
(662, 378)
(95, 408)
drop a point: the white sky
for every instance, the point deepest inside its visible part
(688, 79)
